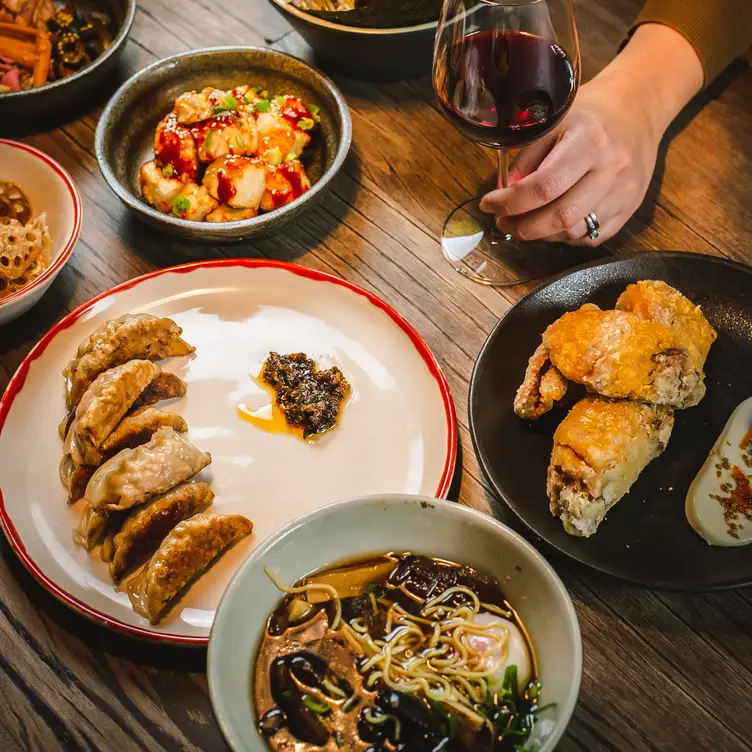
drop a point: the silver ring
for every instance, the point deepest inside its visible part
(592, 226)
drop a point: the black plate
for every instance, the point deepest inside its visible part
(645, 538)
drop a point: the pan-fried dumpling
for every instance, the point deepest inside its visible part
(132, 431)
(106, 401)
(77, 479)
(165, 386)
(139, 336)
(184, 554)
(138, 427)
(93, 527)
(146, 526)
(135, 475)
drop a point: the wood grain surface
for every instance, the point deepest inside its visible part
(662, 671)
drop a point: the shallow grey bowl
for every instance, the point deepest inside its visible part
(16, 106)
(125, 134)
(371, 54)
(376, 525)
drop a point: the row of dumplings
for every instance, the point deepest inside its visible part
(132, 467)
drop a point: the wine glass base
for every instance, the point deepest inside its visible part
(473, 245)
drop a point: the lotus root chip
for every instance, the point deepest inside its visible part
(23, 248)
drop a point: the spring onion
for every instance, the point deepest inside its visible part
(168, 170)
(180, 204)
(230, 103)
(273, 156)
(314, 704)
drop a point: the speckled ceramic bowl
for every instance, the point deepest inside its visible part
(374, 525)
(125, 134)
(370, 54)
(34, 104)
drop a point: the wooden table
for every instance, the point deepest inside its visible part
(662, 671)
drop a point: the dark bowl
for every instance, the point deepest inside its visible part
(35, 104)
(125, 134)
(370, 54)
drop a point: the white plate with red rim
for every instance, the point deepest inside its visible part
(397, 432)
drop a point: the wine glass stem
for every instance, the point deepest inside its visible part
(503, 178)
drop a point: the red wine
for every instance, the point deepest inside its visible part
(505, 88)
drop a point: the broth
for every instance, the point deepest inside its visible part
(395, 653)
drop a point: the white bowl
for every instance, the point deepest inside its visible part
(378, 524)
(50, 189)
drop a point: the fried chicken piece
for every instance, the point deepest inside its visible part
(616, 354)
(656, 301)
(195, 106)
(284, 183)
(600, 449)
(542, 387)
(197, 204)
(225, 134)
(165, 386)
(238, 182)
(174, 145)
(224, 213)
(159, 190)
(619, 354)
(277, 134)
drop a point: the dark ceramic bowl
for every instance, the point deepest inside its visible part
(370, 54)
(19, 106)
(125, 134)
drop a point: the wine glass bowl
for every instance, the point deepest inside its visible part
(505, 73)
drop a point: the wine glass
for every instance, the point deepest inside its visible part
(505, 72)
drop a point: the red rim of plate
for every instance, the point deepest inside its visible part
(19, 378)
(64, 255)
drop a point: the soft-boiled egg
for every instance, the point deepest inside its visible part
(719, 502)
(517, 651)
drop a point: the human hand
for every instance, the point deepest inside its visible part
(602, 156)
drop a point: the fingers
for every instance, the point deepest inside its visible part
(564, 215)
(560, 169)
(530, 158)
(578, 235)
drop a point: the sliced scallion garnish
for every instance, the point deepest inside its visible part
(180, 204)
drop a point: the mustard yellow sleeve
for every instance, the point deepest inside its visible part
(719, 30)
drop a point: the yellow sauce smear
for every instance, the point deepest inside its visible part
(268, 417)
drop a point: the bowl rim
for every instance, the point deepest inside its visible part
(117, 43)
(450, 508)
(287, 7)
(65, 253)
(141, 207)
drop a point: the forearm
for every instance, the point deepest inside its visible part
(719, 30)
(656, 73)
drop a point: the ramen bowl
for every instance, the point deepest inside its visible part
(375, 525)
(372, 54)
